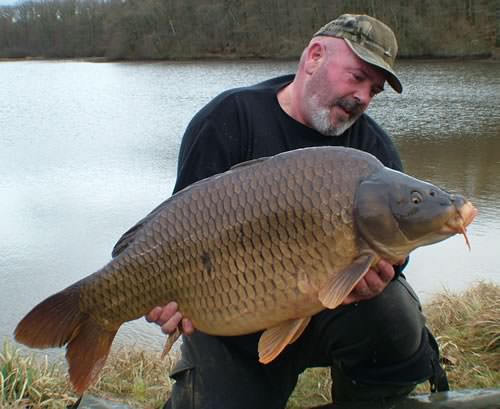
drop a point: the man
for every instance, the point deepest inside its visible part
(376, 343)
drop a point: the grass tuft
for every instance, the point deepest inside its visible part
(313, 389)
(137, 377)
(31, 382)
(467, 327)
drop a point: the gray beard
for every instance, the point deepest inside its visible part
(321, 122)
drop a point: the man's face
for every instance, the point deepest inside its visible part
(340, 90)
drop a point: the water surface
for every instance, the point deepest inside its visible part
(87, 149)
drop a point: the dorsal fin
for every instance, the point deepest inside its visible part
(248, 163)
(126, 239)
(129, 235)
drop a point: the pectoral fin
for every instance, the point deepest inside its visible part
(338, 286)
(275, 339)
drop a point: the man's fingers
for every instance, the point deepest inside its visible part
(167, 313)
(362, 288)
(187, 326)
(360, 292)
(170, 326)
(374, 282)
(386, 271)
(168, 318)
(154, 314)
(161, 315)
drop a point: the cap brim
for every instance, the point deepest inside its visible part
(372, 59)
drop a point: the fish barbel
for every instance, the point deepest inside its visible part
(263, 246)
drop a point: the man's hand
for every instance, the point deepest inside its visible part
(169, 318)
(372, 284)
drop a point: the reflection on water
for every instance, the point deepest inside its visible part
(468, 164)
(88, 149)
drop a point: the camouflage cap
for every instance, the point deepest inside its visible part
(370, 39)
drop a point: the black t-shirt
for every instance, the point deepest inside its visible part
(248, 123)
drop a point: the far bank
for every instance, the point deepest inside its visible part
(190, 29)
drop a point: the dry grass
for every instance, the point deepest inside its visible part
(26, 380)
(467, 326)
(137, 377)
(313, 389)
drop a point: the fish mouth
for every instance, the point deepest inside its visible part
(460, 219)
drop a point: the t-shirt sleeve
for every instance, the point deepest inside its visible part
(368, 136)
(382, 146)
(211, 144)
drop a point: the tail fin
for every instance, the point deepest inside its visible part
(57, 321)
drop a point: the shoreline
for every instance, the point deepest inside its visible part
(429, 59)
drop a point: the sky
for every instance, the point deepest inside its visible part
(9, 2)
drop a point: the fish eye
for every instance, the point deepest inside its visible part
(416, 197)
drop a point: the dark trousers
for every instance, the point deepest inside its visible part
(378, 348)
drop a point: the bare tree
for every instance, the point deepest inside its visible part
(164, 29)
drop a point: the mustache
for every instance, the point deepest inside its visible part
(350, 105)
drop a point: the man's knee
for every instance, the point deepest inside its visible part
(393, 322)
(381, 331)
(422, 366)
(397, 353)
(212, 374)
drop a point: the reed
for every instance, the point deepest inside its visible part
(29, 381)
(468, 331)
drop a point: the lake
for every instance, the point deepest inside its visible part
(87, 149)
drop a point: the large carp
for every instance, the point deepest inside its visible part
(263, 246)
